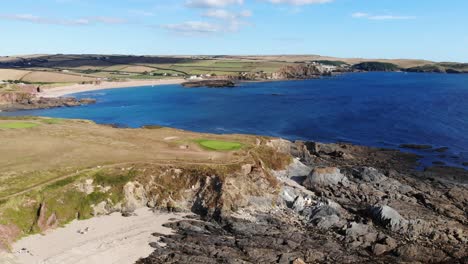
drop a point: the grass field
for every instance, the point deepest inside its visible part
(45, 155)
(54, 77)
(219, 145)
(17, 125)
(10, 74)
(51, 165)
(86, 68)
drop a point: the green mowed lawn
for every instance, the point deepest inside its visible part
(16, 125)
(219, 145)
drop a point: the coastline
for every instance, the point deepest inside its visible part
(78, 88)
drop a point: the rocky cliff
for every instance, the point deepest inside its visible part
(337, 203)
(11, 101)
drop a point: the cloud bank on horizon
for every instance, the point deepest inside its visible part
(360, 28)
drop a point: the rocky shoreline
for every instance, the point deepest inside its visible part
(337, 203)
(27, 101)
(215, 83)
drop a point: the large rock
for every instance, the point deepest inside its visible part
(325, 177)
(388, 217)
(324, 215)
(371, 175)
(43, 222)
(100, 209)
(360, 235)
(280, 145)
(135, 196)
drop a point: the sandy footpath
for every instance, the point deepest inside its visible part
(77, 88)
(107, 239)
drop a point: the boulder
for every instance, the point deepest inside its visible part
(280, 145)
(372, 175)
(135, 196)
(289, 194)
(301, 203)
(360, 235)
(100, 209)
(43, 222)
(387, 217)
(325, 177)
(323, 215)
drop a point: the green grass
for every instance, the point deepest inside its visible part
(219, 145)
(53, 121)
(17, 125)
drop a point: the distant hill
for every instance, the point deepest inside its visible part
(376, 66)
(443, 67)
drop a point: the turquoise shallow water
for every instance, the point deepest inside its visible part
(374, 109)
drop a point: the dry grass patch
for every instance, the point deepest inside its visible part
(9, 74)
(54, 77)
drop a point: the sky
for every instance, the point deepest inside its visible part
(430, 29)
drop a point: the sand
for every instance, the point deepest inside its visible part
(107, 239)
(77, 88)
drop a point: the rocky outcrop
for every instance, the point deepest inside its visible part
(299, 71)
(387, 217)
(325, 177)
(209, 83)
(353, 205)
(46, 221)
(11, 101)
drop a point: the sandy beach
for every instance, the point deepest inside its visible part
(107, 239)
(77, 88)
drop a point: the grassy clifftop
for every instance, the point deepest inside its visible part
(58, 170)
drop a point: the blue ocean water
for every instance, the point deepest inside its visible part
(374, 109)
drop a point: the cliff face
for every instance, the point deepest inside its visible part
(9, 98)
(300, 71)
(16, 100)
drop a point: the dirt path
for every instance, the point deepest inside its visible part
(160, 163)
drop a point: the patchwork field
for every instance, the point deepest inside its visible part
(90, 68)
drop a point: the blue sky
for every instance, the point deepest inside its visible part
(429, 29)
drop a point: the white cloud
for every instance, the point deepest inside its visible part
(227, 15)
(212, 3)
(193, 28)
(360, 14)
(141, 13)
(70, 22)
(381, 17)
(299, 2)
